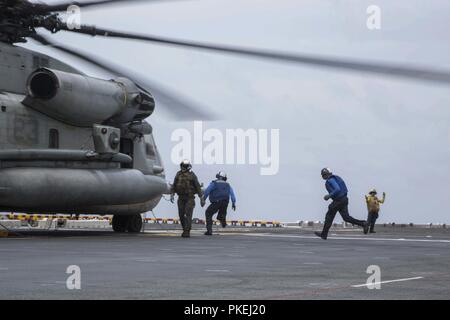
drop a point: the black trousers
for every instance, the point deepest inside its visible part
(341, 206)
(186, 207)
(371, 219)
(219, 206)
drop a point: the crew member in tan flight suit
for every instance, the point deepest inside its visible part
(186, 185)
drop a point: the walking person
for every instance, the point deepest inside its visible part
(219, 192)
(186, 185)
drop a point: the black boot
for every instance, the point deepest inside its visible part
(366, 227)
(208, 233)
(223, 222)
(186, 234)
(319, 234)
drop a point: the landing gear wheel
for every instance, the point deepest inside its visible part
(119, 223)
(134, 223)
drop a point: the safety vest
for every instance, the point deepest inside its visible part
(373, 203)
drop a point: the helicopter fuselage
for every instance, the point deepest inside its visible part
(51, 164)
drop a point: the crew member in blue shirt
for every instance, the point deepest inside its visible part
(219, 192)
(337, 191)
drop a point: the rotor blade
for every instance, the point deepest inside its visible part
(63, 6)
(410, 72)
(180, 108)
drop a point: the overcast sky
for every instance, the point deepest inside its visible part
(373, 131)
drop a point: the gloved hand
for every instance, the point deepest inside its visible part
(202, 202)
(326, 197)
(172, 198)
(384, 194)
(233, 207)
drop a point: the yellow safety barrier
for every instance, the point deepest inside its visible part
(36, 217)
(161, 220)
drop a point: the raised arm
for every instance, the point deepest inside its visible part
(384, 197)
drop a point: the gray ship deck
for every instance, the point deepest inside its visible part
(240, 263)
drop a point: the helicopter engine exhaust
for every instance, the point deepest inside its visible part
(43, 85)
(83, 101)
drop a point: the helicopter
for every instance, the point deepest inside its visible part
(72, 143)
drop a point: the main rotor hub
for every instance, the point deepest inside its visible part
(19, 20)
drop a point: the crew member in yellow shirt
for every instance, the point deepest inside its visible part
(373, 207)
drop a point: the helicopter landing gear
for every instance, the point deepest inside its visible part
(119, 223)
(131, 223)
(134, 223)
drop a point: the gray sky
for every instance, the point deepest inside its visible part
(373, 131)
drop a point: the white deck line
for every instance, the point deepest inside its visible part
(345, 238)
(388, 281)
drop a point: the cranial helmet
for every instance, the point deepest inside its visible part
(185, 165)
(222, 176)
(326, 172)
(373, 191)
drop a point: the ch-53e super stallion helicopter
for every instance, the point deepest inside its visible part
(71, 143)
